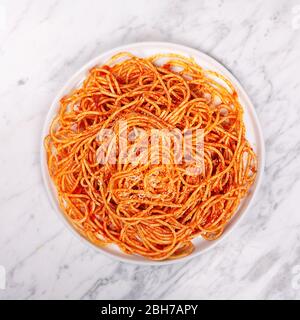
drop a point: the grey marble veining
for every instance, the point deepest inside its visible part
(43, 44)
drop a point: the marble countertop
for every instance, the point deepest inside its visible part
(43, 43)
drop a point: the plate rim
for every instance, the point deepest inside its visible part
(72, 80)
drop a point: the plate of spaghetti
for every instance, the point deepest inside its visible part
(152, 152)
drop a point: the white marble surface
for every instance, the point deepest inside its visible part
(42, 43)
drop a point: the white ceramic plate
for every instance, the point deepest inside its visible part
(254, 135)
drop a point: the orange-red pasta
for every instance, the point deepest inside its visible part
(150, 209)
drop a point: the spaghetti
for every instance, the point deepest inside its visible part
(150, 209)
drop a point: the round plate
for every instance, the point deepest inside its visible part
(253, 133)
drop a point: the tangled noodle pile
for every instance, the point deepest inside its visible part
(146, 208)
